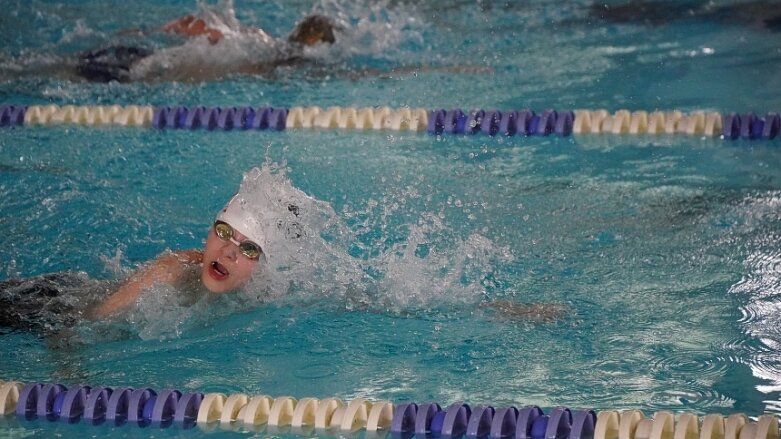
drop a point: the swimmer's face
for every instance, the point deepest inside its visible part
(225, 266)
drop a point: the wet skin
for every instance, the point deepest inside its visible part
(225, 267)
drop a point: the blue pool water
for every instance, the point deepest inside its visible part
(662, 250)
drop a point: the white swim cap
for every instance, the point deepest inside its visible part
(241, 217)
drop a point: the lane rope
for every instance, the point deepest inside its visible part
(522, 122)
(144, 407)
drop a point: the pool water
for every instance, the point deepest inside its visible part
(663, 251)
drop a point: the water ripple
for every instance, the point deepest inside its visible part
(690, 363)
(316, 371)
(695, 396)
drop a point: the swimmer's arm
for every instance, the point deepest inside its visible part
(181, 25)
(461, 69)
(167, 268)
(192, 27)
(527, 312)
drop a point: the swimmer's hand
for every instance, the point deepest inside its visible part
(168, 268)
(527, 312)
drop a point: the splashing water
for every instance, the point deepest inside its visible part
(221, 16)
(302, 251)
(239, 49)
(378, 31)
(309, 256)
(421, 272)
(386, 256)
(375, 29)
(366, 34)
(362, 30)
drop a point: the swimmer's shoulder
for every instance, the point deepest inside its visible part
(190, 256)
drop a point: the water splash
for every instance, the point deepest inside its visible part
(312, 254)
(303, 253)
(240, 50)
(198, 58)
(377, 29)
(362, 30)
(366, 35)
(221, 16)
(388, 256)
(421, 272)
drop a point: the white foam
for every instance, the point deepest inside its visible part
(376, 29)
(221, 16)
(308, 252)
(198, 58)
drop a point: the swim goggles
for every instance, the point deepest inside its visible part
(248, 248)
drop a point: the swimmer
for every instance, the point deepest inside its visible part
(194, 62)
(232, 252)
(234, 255)
(310, 31)
(216, 45)
(52, 302)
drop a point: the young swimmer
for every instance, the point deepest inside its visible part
(232, 252)
(234, 255)
(57, 301)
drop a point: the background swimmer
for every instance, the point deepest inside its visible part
(241, 50)
(311, 30)
(211, 44)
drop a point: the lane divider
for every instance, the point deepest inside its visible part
(211, 118)
(382, 118)
(523, 122)
(69, 114)
(146, 407)
(697, 123)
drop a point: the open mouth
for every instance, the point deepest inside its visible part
(217, 271)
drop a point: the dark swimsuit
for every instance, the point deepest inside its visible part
(110, 64)
(50, 302)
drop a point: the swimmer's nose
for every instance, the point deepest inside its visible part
(230, 250)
